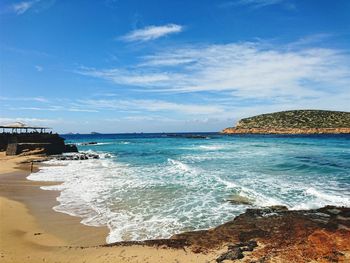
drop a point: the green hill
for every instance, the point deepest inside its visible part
(295, 121)
(301, 119)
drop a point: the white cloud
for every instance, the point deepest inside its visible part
(152, 32)
(53, 108)
(120, 105)
(39, 68)
(245, 70)
(22, 7)
(150, 106)
(38, 99)
(257, 3)
(131, 77)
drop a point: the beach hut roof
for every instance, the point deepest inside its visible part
(21, 125)
(16, 124)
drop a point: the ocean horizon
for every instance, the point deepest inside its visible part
(155, 185)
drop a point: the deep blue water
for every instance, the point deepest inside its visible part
(156, 185)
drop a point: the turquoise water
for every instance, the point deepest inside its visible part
(153, 186)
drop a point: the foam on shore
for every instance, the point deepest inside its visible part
(150, 189)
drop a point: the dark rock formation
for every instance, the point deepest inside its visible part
(89, 143)
(188, 136)
(236, 251)
(46, 143)
(239, 200)
(294, 122)
(77, 156)
(233, 253)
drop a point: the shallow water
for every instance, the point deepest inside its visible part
(153, 186)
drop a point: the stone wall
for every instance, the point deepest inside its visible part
(23, 142)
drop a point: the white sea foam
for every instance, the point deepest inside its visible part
(158, 197)
(101, 193)
(321, 198)
(180, 166)
(211, 147)
(226, 183)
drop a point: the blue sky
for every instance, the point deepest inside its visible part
(167, 66)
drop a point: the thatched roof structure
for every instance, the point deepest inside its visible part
(20, 126)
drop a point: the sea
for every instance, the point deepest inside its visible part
(150, 186)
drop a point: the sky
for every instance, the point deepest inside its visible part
(120, 66)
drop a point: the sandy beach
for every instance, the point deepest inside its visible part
(30, 231)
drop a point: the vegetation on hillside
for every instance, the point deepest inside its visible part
(299, 119)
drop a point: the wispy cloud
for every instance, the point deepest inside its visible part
(22, 7)
(37, 99)
(152, 32)
(258, 3)
(311, 39)
(131, 106)
(150, 106)
(244, 70)
(131, 77)
(52, 108)
(39, 68)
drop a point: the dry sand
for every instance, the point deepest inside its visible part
(30, 231)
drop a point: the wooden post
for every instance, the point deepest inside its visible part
(31, 166)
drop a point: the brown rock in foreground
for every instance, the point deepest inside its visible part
(322, 235)
(273, 234)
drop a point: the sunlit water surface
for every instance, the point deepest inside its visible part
(153, 186)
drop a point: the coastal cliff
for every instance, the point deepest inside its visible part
(294, 122)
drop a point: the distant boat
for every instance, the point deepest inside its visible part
(95, 133)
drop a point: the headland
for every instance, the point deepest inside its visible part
(294, 122)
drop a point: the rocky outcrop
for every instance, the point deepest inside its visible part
(45, 143)
(294, 122)
(88, 143)
(272, 234)
(276, 233)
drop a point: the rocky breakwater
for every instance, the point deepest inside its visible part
(294, 122)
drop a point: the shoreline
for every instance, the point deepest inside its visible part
(15, 186)
(31, 231)
(287, 131)
(258, 235)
